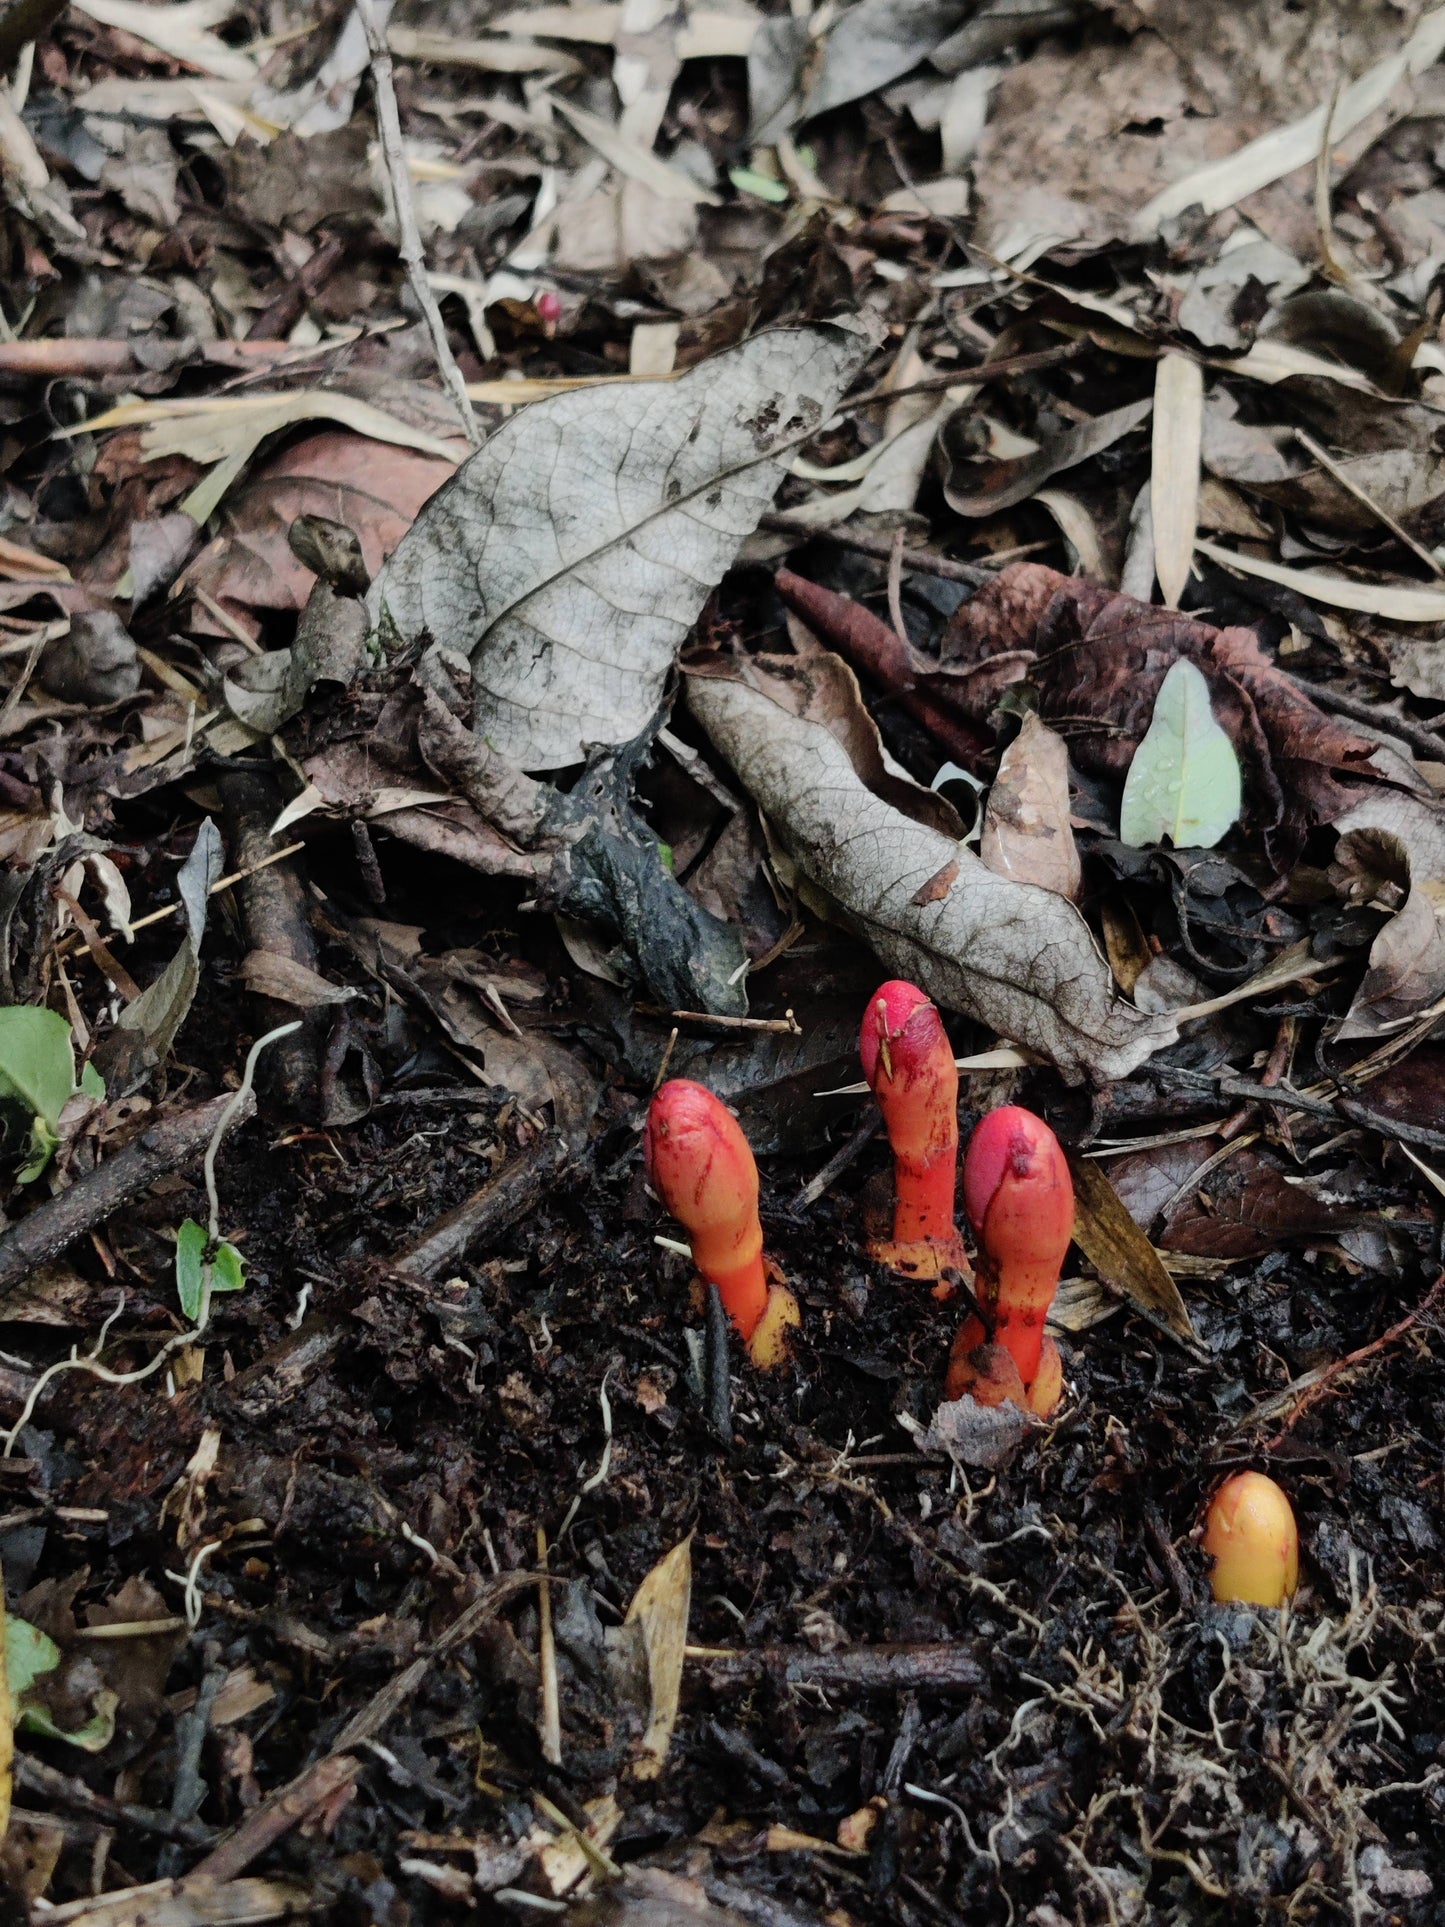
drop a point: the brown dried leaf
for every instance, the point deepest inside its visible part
(373, 488)
(1026, 830)
(1014, 957)
(1098, 660)
(1120, 1253)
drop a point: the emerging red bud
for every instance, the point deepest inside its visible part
(1020, 1200)
(908, 1062)
(702, 1168)
(1251, 1535)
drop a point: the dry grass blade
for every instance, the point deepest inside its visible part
(1222, 183)
(660, 1610)
(1121, 1254)
(1394, 601)
(1174, 477)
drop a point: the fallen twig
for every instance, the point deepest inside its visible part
(932, 1666)
(328, 1778)
(925, 561)
(167, 1146)
(1311, 1394)
(388, 125)
(499, 1202)
(73, 1795)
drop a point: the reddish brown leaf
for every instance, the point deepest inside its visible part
(372, 487)
(870, 645)
(1097, 659)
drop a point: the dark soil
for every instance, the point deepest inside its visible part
(1106, 1744)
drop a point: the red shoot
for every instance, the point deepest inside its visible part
(908, 1062)
(1020, 1200)
(702, 1168)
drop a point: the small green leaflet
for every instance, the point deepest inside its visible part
(227, 1269)
(29, 1655)
(747, 180)
(37, 1071)
(1184, 780)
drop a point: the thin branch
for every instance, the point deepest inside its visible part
(388, 124)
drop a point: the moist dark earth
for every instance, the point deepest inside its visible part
(1070, 1729)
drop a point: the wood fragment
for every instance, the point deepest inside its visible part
(167, 1146)
(277, 918)
(930, 1666)
(504, 1198)
(329, 1777)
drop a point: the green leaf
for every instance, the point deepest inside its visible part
(747, 180)
(1184, 781)
(228, 1268)
(28, 1653)
(37, 1060)
(92, 1084)
(191, 1242)
(93, 1737)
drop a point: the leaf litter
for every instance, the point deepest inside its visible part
(959, 494)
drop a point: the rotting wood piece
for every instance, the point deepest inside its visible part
(167, 1146)
(329, 1777)
(274, 907)
(931, 1666)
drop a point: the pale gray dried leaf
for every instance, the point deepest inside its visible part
(983, 1436)
(162, 1007)
(1027, 834)
(1014, 957)
(875, 42)
(572, 553)
(1174, 474)
(1392, 851)
(95, 663)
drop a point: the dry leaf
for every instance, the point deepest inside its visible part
(183, 30)
(1280, 151)
(1392, 847)
(270, 974)
(7, 1717)
(1099, 659)
(982, 485)
(659, 1609)
(1026, 830)
(571, 554)
(1121, 1254)
(1396, 601)
(1015, 957)
(1174, 476)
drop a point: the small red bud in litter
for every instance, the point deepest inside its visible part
(1020, 1201)
(549, 310)
(702, 1168)
(908, 1062)
(1251, 1535)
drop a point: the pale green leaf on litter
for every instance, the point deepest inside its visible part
(37, 1060)
(191, 1242)
(747, 180)
(37, 1072)
(1184, 781)
(227, 1268)
(28, 1654)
